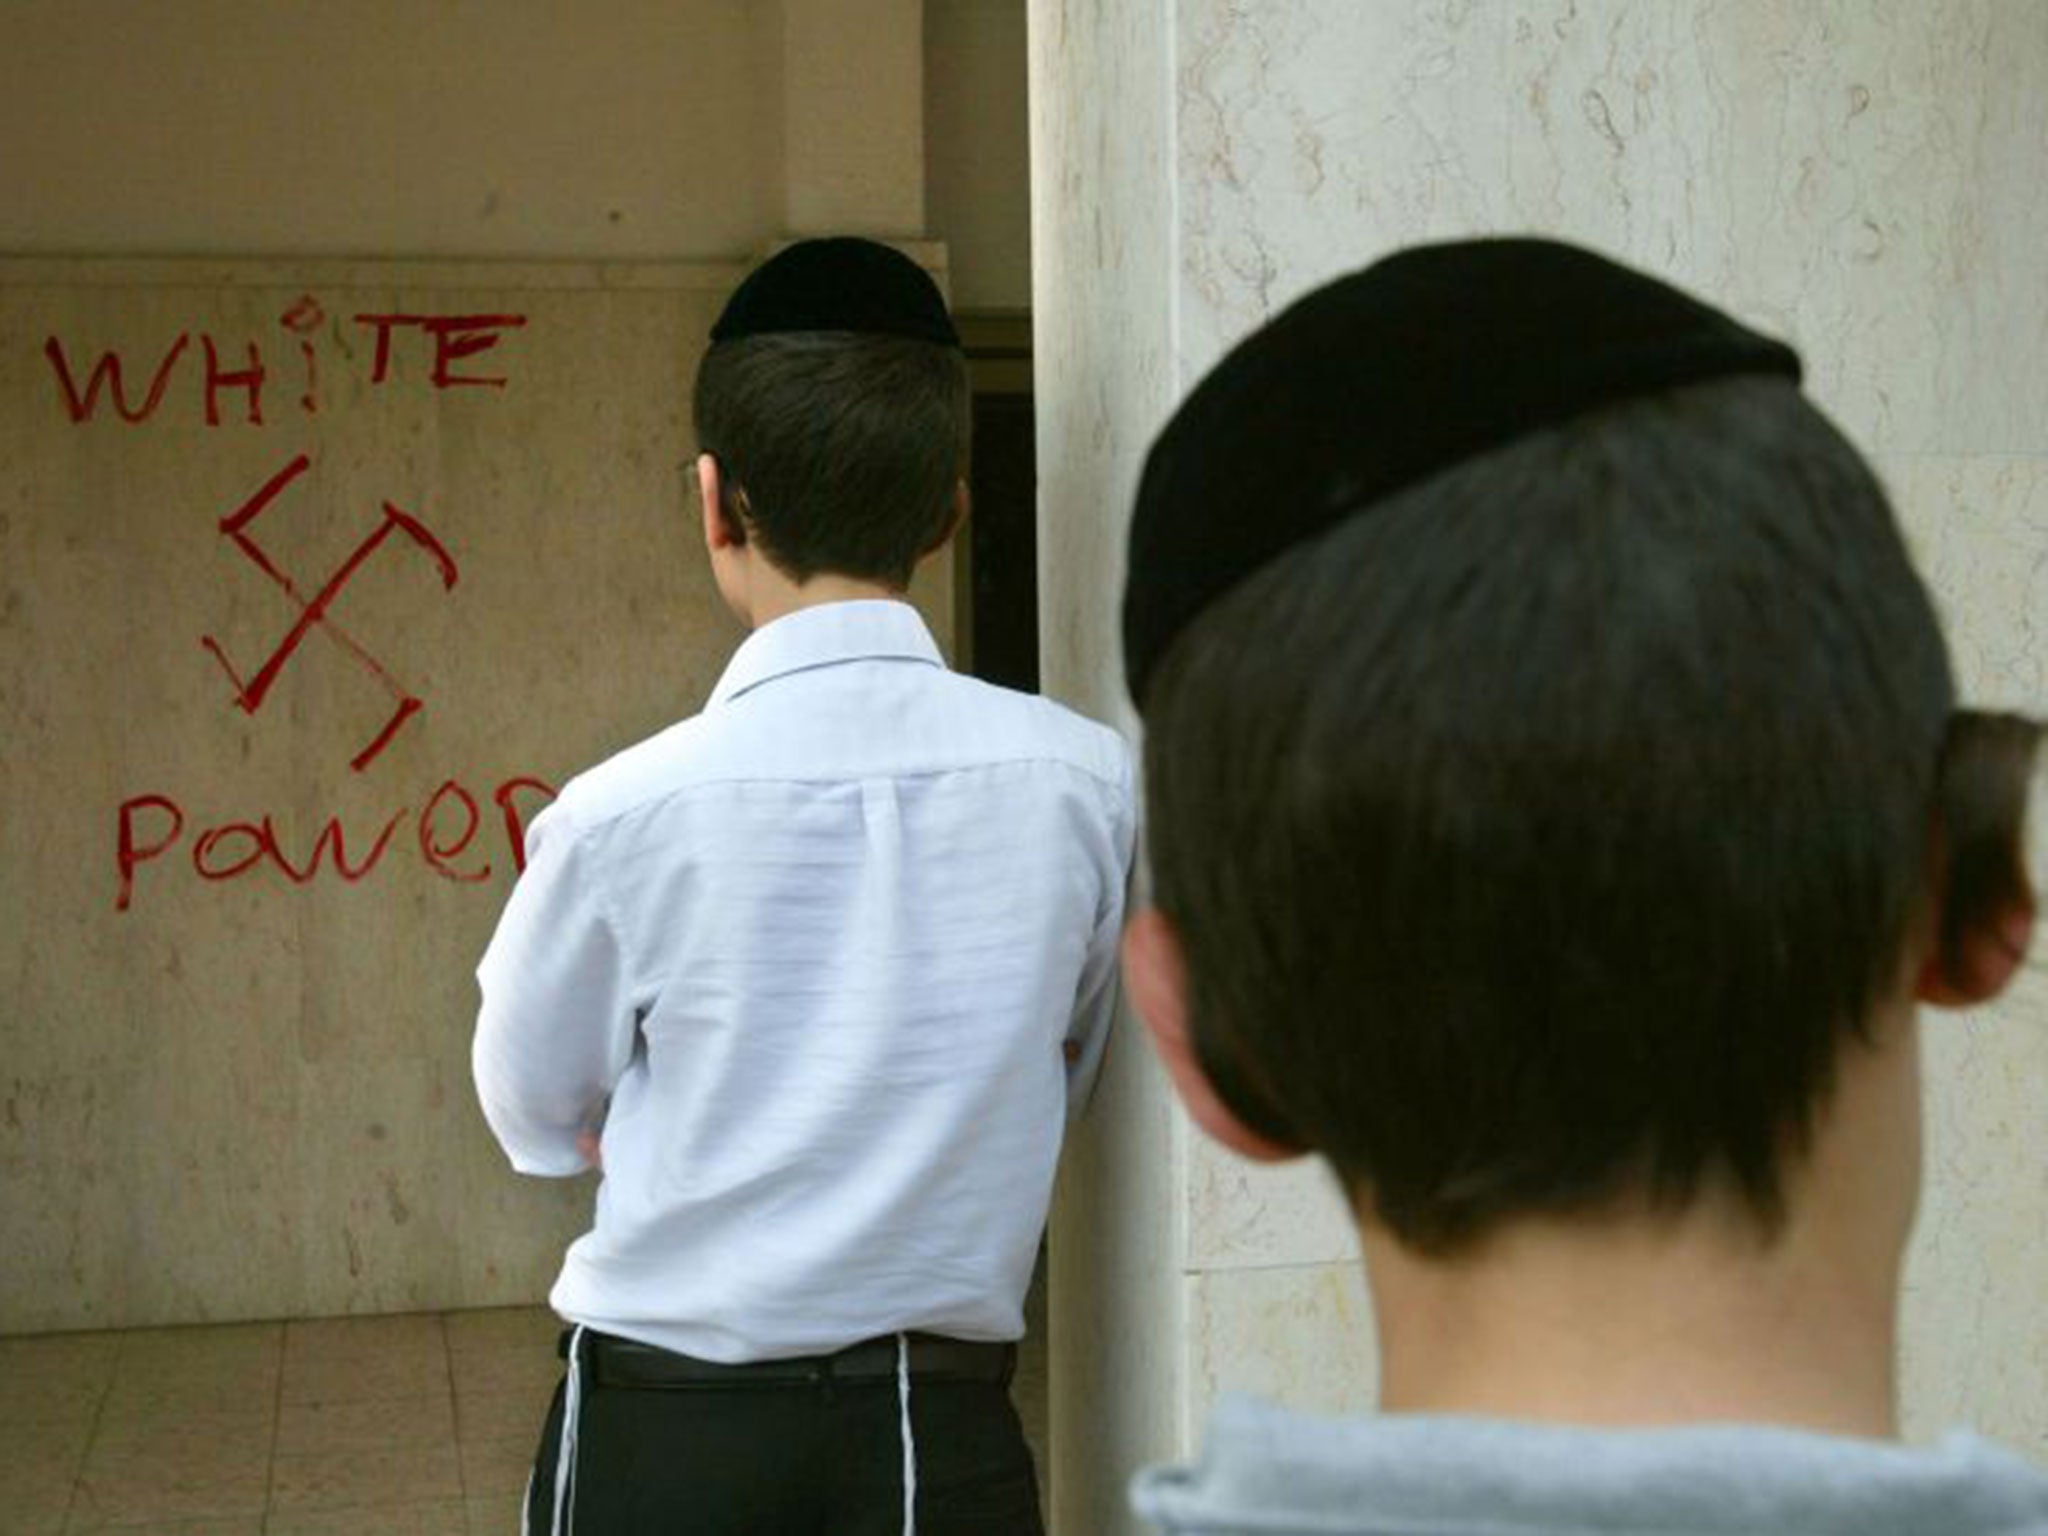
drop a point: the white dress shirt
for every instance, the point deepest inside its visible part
(812, 960)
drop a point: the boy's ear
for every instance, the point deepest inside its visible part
(1155, 975)
(1980, 961)
(1982, 909)
(719, 531)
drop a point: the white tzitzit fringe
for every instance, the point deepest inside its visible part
(909, 1440)
(565, 1460)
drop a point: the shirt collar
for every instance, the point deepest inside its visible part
(864, 630)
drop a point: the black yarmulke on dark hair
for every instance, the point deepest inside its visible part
(1382, 379)
(841, 284)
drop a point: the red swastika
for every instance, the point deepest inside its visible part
(249, 695)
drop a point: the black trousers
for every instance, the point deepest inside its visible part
(788, 1459)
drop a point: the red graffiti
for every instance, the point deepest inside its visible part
(249, 378)
(148, 827)
(250, 694)
(515, 828)
(440, 853)
(128, 853)
(107, 372)
(303, 319)
(454, 338)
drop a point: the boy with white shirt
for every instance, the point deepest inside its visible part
(1558, 804)
(818, 973)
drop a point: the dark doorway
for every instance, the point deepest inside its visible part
(1003, 543)
(997, 594)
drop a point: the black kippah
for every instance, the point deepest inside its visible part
(842, 284)
(1383, 378)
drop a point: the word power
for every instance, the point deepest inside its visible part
(249, 695)
(150, 826)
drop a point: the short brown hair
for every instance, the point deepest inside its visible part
(1540, 832)
(839, 451)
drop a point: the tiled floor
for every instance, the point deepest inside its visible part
(411, 1426)
(380, 1426)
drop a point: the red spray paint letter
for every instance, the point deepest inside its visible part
(380, 361)
(128, 853)
(107, 371)
(515, 827)
(437, 853)
(459, 336)
(329, 842)
(302, 320)
(249, 378)
(203, 863)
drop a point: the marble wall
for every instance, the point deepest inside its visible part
(1102, 313)
(1861, 177)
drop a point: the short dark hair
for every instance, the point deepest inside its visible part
(1538, 834)
(839, 451)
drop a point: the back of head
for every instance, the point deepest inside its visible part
(1544, 728)
(834, 396)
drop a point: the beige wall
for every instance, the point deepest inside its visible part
(1862, 177)
(518, 129)
(237, 1080)
(171, 1147)
(976, 143)
(496, 128)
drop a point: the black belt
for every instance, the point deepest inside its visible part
(617, 1362)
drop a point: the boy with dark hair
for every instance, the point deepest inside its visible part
(1558, 804)
(818, 973)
